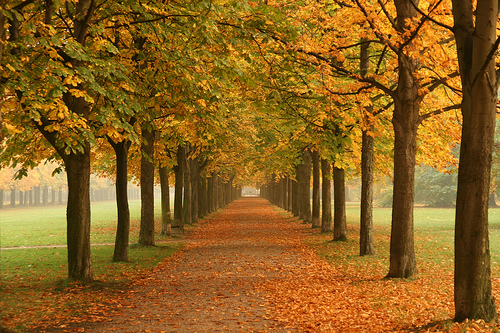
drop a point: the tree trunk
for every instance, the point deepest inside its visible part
(402, 253)
(220, 192)
(405, 120)
(288, 206)
(187, 204)
(215, 194)
(339, 213)
(1, 196)
(195, 180)
(316, 222)
(210, 193)
(295, 193)
(123, 225)
(473, 294)
(166, 221)
(179, 184)
(53, 193)
(147, 229)
(45, 195)
(326, 197)
(78, 215)
(37, 195)
(366, 246)
(202, 196)
(305, 188)
(13, 197)
(492, 202)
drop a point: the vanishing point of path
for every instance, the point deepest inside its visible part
(218, 282)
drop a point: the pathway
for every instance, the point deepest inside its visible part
(216, 283)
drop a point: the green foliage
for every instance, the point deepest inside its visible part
(434, 188)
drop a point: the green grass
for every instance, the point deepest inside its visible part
(46, 225)
(434, 227)
(33, 283)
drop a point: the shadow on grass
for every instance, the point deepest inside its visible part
(450, 325)
(434, 326)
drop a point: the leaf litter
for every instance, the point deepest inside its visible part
(248, 269)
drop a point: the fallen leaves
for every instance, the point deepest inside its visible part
(248, 269)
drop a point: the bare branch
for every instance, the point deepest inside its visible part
(430, 18)
(388, 15)
(439, 111)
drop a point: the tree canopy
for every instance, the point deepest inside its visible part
(248, 86)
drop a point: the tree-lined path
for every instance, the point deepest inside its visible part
(217, 283)
(246, 269)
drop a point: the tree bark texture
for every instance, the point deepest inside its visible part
(296, 192)
(179, 183)
(339, 212)
(473, 295)
(405, 120)
(78, 215)
(166, 219)
(210, 193)
(326, 196)
(366, 246)
(123, 225)
(203, 197)
(316, 222)
(147, 228)
(305, 188)
(187, 204)
(195, 193)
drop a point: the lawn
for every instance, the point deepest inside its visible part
(33, 285)
(46, 225)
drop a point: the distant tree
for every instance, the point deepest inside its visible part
(434, 188)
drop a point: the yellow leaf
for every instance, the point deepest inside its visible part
(12, 129)
(71, 80)
(77, 93)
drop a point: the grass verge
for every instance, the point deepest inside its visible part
(33, 285)
(35, 292)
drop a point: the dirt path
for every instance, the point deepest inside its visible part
(215, 283)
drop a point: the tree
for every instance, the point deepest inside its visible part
(366, 246)
(121, 149)
(316, 222)
(326, 196)
(475, 34)
(166, 218)
(339, 215)
(147, 229)
(305, 187)
(434, 188)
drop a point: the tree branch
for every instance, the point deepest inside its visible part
(428, 16)
(436, 112)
